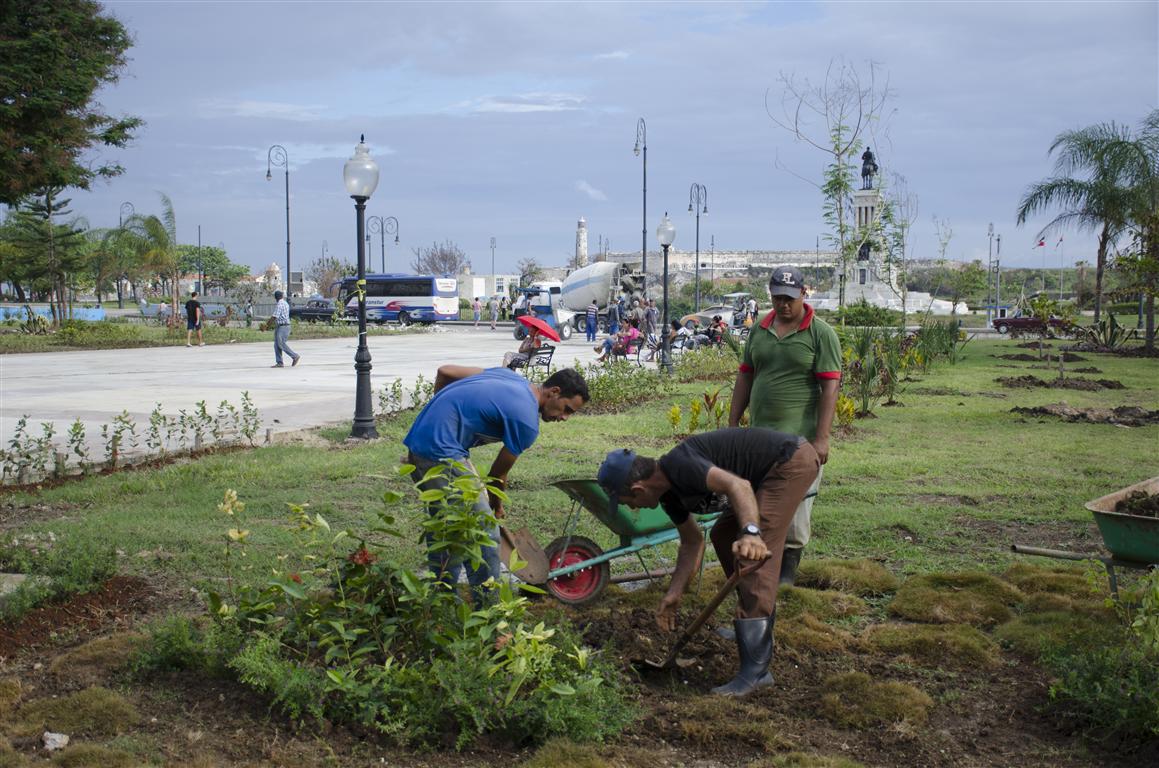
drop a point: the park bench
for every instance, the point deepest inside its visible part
(539, 358)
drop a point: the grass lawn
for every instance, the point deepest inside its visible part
(932, 488)
(946, 480)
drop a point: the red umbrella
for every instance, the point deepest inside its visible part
(535, 324)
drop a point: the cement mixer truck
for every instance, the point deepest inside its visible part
(563, 305)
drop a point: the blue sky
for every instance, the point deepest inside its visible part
(512, 120)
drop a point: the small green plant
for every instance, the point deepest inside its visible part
(675, 416)
(18, 458)
(200, 422)
(422, 392)
(78, 446)
(116, 435)
(846, 410)
(1108, 333)
(694, 409)
(251, 421)
(157, 433)
(43, 449)
(342, 632)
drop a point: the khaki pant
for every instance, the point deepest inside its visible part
(801, 527)
(778, 498)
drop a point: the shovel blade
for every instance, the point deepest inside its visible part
(524, 544)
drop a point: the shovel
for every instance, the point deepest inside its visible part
(670, 660)
(524, 544)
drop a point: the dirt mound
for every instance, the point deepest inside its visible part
(1087, 369)
(1021, 356)
(1139, 503)
(1124, 415)
(118, 599)
(1027, 381)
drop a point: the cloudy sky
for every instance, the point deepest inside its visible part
(512, 120)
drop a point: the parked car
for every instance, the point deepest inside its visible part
(313, 311)
(1020, 324)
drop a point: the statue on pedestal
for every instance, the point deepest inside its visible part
(868, 169)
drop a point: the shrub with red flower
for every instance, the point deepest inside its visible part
(362, 556)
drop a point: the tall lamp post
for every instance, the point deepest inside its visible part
(127, 211)
(642, 144)
(697, 199)
(998, 276)
(492, 260)
(361, 177)
(383, 227)
(665, 234)
(277, 157)
(989, 273)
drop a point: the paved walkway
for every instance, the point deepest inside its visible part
(97, 385)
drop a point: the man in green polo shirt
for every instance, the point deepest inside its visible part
(788, 379)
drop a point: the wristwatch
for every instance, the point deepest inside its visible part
(749, 530)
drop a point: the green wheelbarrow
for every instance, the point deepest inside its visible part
(573, 568)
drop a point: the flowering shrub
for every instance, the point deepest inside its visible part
(345, 633)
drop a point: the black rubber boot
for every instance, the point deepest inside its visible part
(790, 559)
(754, 643)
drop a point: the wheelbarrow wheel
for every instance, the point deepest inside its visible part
(580, 586)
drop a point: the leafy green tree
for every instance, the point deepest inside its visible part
(52, 251)
(1088, 188)
(54, 56)
(212, 262)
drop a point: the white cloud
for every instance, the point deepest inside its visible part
(590, 191)
(525, 102)
(266, 110)
(612, 55)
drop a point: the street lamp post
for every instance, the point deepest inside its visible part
(642, 144)
(361, 177)
(127, 211)
(276, 156)
(665, 234)
(383, 227)
(200, 272)
(998, 275)
(697, 199)
(492, 260)
(989, 271)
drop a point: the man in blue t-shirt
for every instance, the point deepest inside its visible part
(476, 406)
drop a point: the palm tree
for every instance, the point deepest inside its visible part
(1088, 188)
(155, 238)
(1136, 161)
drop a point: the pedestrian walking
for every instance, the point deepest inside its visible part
(591, 320)
(493, 305)
(194, 315)
(477, 306)
(282, 332)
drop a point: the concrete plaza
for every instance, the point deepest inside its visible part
(95, 386)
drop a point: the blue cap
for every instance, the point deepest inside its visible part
(613, 475)
(786, 281)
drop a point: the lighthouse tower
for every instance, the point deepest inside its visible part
(581, 243)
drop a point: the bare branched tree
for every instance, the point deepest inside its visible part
(529, 271)
(327, 272)
(833, 116)
(900, 213)
(444, 258)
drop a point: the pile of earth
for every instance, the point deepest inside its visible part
(1087, 385)
(1139, 503)
(1124, 415)
(1067, 357)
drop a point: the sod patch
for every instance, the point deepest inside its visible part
(808, 633)
(1032, 634)
(824, 604)
(9, 757)
(854, 700)
(91, 712)
(10, 690)
(956, 598)
(804, 760)
(1057, 581)
(563, 752)
(936, 645)
(98, 659)
(94, 756)
(861, 577)
(705, 723)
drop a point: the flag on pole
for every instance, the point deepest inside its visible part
(1059, 241)
(1041, 243)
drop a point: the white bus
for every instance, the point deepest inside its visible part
(404, 299)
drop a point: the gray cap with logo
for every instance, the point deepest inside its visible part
(786, 281)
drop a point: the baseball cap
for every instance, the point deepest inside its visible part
(613, 475)
(786, 281)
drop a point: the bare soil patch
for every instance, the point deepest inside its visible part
(1124, 415)
(1048, 534)
(1087, 385)
(983, 716)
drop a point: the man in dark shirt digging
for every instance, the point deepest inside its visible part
(765, 475)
